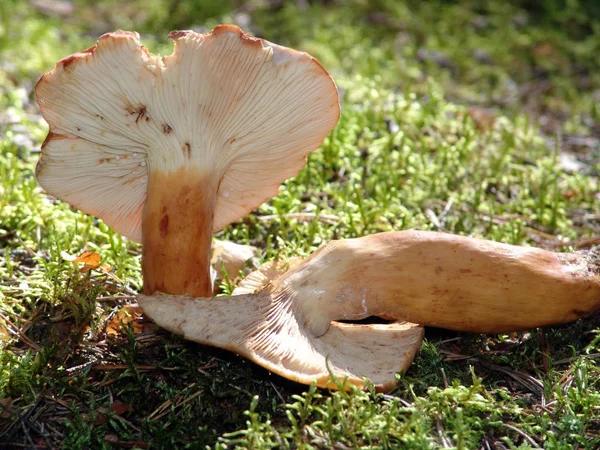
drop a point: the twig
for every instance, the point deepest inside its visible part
(29, 251)
(445, 341)
(303, 217)
(444, 377)
(113, 298)
(585, 243)
(127, 366)
(19, 445)
(444, 213)
(451, 356)
(163, 409)
(129, 444)
(34, 316)
(106, 382)
(524, 379)
(573, 358)
(445, 441)
(16, 331)
(277, 392)
(532, 384)
(80, 367)
(27, 424)
(209, 365)
(522, 434)
(106, 411)
(392, 398)
(118, 285)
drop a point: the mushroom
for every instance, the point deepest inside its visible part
(167, 150)
(229, 259)
(423, 277)
(253, 324)
(441, 280)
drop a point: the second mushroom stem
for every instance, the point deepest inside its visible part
(176, 232)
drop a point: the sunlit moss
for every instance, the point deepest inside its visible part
(407, 153)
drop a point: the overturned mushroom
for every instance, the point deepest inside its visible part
(248, 324)
(441, 280)
(169, 149)
(427, 278)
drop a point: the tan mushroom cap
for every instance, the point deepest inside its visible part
(269, 333)
(242, 109)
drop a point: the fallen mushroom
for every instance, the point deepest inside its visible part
(442, 280)
(247, 323)
(231, 258)
(168, 150)
(427, 278)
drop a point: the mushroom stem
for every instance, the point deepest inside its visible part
(441, 280)
(176, 232)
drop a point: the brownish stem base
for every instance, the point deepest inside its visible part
(176, 233)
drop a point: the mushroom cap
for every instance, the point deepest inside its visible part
(239, 109)
(268, 332)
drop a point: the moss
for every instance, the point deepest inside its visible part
(456, 117)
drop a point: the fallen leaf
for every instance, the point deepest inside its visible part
(6, 411)
(484, 119)
(570, 193)
(4, 333)
(90, 260)
(128, 314)
(112, 438)
(119, 407)
(544, 50)
(105, 268)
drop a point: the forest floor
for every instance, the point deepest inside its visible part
(473, 118)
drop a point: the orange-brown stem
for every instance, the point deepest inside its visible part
(176, 232)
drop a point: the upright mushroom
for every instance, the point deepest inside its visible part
(167, 150)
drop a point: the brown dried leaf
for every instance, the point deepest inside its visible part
(544, 50)
(128, 314)
(4, 333)
(119, 407)
(105, 268)
(111, 438)
(483, 118)
(6, 408)
(90, 260)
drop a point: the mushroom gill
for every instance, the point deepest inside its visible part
(168, 150)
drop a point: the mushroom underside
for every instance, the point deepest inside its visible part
(168, 150)
(274, 335)
(257, 328)
(284, 316)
